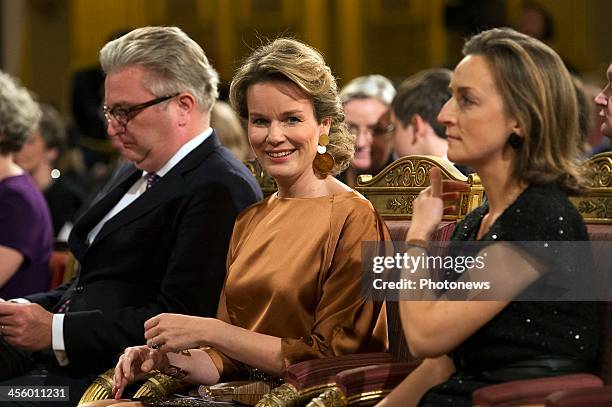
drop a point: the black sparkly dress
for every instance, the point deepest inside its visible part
(524, 333)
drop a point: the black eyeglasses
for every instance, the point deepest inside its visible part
(382, 130)
(378, 130)
(124, 114)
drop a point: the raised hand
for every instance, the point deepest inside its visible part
(428, 207)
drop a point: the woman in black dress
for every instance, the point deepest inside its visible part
(513, 118)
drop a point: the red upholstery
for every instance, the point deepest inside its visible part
(597, 397)
(316, 372)
(397, 342)
(599, 232)
(399, 228)
(531, 391)
(57, 265)
(373, 378)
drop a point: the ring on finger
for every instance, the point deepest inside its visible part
(154, 345)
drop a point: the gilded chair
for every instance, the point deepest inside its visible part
(367, 385)
(265, 181)
(391, 192)
(595, 206)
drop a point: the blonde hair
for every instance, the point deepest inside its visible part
(177, 62)
(228, 128)
(291, 60)
(537, 91)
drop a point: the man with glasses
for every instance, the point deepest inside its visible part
(366, 101)
(157, 240)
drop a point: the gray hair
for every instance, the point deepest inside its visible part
(52, 127)
(177, 62)
(370, 86)
(19, 114)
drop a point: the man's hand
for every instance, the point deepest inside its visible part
(26, 326)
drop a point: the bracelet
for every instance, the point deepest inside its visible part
(175, 371)
(423, 244)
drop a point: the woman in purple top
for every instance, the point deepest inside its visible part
(26, 236)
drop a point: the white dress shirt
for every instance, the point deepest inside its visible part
(139, 187)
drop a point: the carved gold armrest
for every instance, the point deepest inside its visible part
(100, 389)
(393, 190)
(364, 385)
(159, 384)
(155, 384)
(595, 205)
(308, 379)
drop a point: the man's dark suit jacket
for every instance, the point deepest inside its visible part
(165, 252)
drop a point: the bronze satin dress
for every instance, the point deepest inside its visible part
(294, 273)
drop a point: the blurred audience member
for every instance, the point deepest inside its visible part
(87, 99)
(228, 127)
(604, 101)
(26, 234)
(366, 99)
(536, 22)
(595, 138)
(38, 157)
(414, 112)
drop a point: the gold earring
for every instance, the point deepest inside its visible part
(323, 162)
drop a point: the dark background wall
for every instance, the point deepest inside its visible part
(396, 38)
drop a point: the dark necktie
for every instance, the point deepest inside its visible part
(151, 179)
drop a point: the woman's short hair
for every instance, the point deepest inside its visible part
(19, 114)
(538, 92)
(369, 86)
(177, 62)
(291, 60)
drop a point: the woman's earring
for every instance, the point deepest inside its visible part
(323, 162)
(515, 141)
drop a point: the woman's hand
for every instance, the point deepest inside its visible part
(428, 207)
(177, 332)
(136, 362)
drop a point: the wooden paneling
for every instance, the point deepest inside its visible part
(395, 38)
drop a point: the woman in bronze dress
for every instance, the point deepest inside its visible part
(292, 290)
